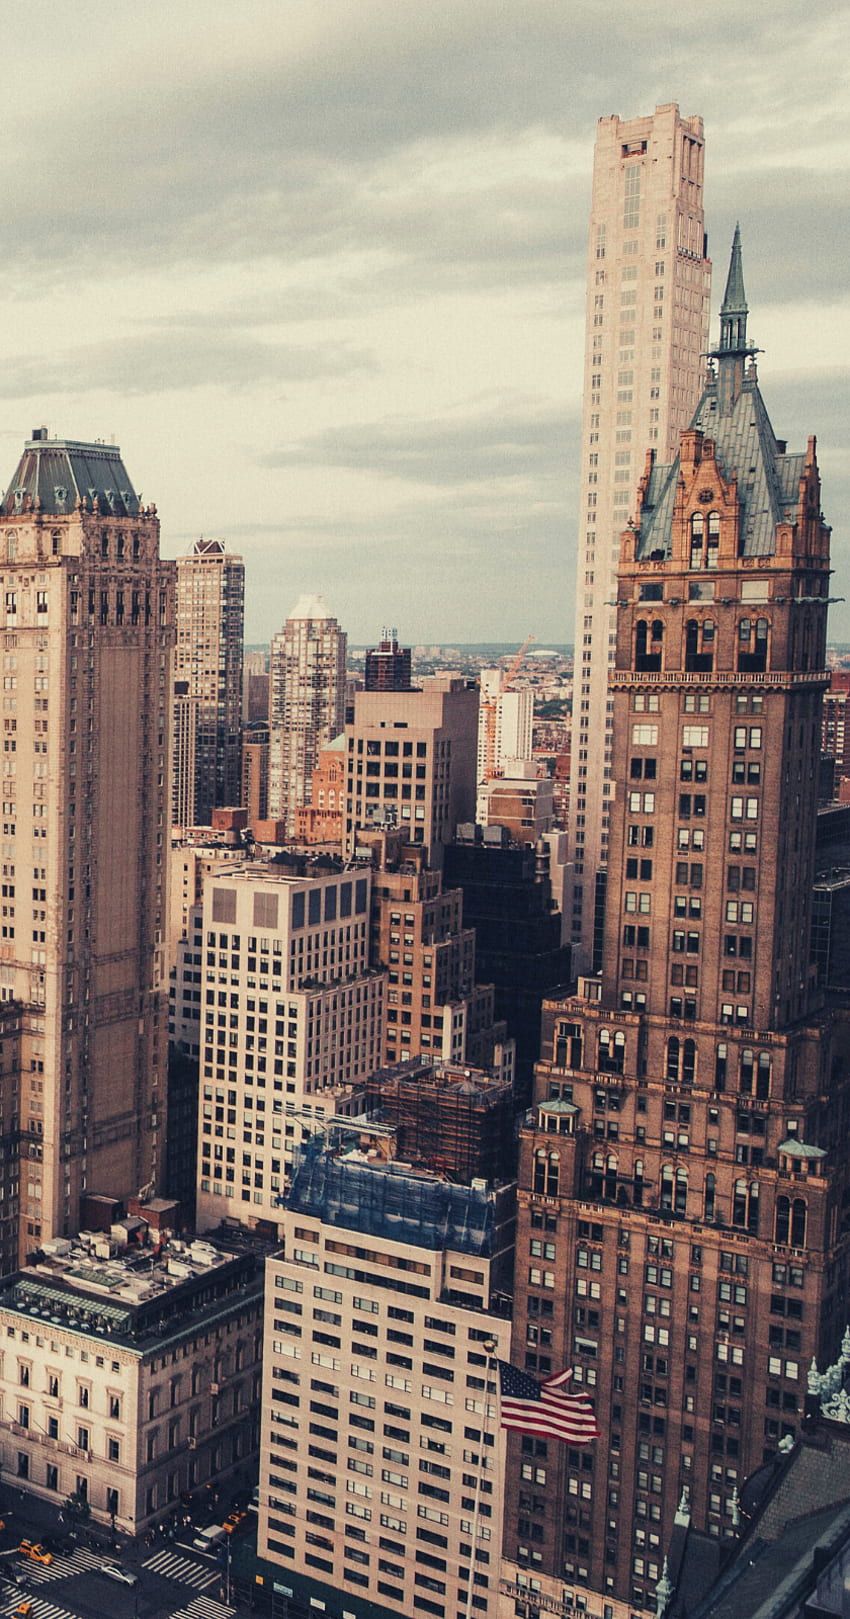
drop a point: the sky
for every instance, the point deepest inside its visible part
(318, 267)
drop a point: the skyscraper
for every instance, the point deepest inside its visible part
(306, 703)
(648, 283)
(208, 682)
(687, 1160)
(87, 627)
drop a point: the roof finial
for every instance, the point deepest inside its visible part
(734, 298)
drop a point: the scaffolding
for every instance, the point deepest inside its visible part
(393, 1200)
(458, 1121)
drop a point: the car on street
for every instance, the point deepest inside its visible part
(35, 1552)
(233, 1521)
(115, 1571)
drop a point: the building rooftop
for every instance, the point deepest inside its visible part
(746, 447)
(58, 475)
(310, 607)
(127, 1288)
(378, 1198)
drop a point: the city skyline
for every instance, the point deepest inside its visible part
(355, 270)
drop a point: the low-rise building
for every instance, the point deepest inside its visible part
(129, 1370)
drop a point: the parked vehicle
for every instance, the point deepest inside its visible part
(207, 1539)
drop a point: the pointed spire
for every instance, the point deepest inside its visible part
(734, 298)
(663, 1591)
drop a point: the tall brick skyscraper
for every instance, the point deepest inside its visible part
(86, 618)
(682, 1239)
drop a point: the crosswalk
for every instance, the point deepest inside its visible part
(62, 1568)
(205, 1608)
(41, 1608)
(171, 1566)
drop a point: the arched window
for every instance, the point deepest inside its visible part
(798, 1223)
(782, 1222)
(673, 1059)
(697, 533)
(609, 1186)
(689, 1062)
(709, 1196)
(763, 1075)
(713, 539)
(680, 1194)
(612, 1051)
(739, 1203)
(752, 645)
(648, 644)
(699, 644)
(746, 1071)
(638, 1183)
(547, 1172)
(753, 1208)
(668, 1182)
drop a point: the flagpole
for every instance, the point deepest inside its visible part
(490, 1345)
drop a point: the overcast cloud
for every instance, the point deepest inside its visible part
(318, 268)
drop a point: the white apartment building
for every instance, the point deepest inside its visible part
(381, 1462)
(646, 335)
(306, 703)
(505, 729)
(292, 1019)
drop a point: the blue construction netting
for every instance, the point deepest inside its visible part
(387, 1200)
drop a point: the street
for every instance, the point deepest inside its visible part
(174, 1580)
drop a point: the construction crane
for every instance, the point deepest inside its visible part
(516, 662)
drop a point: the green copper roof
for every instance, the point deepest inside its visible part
(735, 298)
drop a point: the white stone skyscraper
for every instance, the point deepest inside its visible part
(207, 762)
(648, 287)
(306, 702)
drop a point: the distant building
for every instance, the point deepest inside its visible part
(255, 687)
(388, 665)
(208, 681)
(306, 703)
(520, 800)
(646, 333)
(505, 729)
(256, 748)
(131, 1371)
(321, 820)
(411, 762)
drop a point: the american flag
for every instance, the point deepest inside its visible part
(545, 1409)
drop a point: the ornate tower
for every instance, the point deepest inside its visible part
(86, 621)
(685, 1170)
